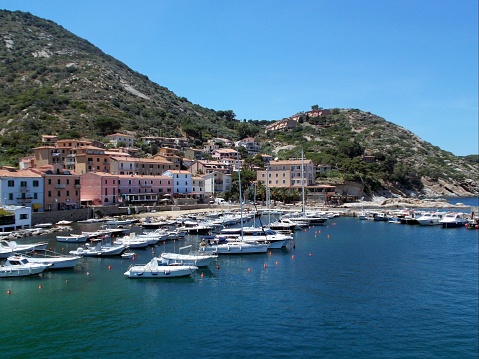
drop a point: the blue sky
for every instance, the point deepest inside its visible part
(414, 63)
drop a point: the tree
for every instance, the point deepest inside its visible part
(106, 125)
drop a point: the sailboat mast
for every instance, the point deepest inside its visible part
(302, 181)
(240, 194)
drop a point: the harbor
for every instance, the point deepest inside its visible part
(342, 289)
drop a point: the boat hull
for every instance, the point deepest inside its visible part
(72, 239)
(160, 271)
(20, 272)
(236, 248)
(202, 260)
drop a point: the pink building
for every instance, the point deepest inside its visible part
(99, 189)
(107, 189)
(144, 189)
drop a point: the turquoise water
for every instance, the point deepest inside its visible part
(348, 289)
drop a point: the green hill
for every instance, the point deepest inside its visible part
(53, 82)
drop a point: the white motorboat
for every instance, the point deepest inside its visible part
(120, 222)
(99, 250)
(52, 259)
(73, 238)
(154, 270)
(20, 266)
(430, 219)
(91, 220)
(155, 236)
(131, 241)
(63, 223)
(44, 225)
(273, 239)
(199, 259)
(454, 220)
(194, 227)
(222, 245)
(8, 248)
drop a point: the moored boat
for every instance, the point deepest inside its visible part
(199, 259)
(73, 238)
(52, 259)
(153, 270)
(20, 266)
(430, 219)
(8, 248)
(454, 220)
(100, 250)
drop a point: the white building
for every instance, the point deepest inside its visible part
(118, 138)
(21, 188)
(19, 217)
(182, 182)
(216, 182)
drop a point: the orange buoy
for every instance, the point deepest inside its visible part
(270, 253)
(217, 267)
(264, 265)
(109, 267)
(277, 263)
(292, 257)
(329, 236)
(249, 269)
(40, 286)
(202, 275)
(9, 291)
(310, 254)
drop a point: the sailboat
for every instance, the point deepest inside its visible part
(303, 217)
(223, 244)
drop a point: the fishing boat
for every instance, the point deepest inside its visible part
(73, 238)
(20, 266)
(53, 259)
(8, 248)
(153, 270)
(199, 259)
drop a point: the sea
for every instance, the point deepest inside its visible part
(348, 289)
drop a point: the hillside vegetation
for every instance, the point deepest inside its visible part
(53, 82)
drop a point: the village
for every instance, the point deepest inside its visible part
(78, 175)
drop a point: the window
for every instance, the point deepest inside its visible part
(23, 216)
(49, 181)
(35, 195)
(35, 183)
(10, 196)
(49, 193)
